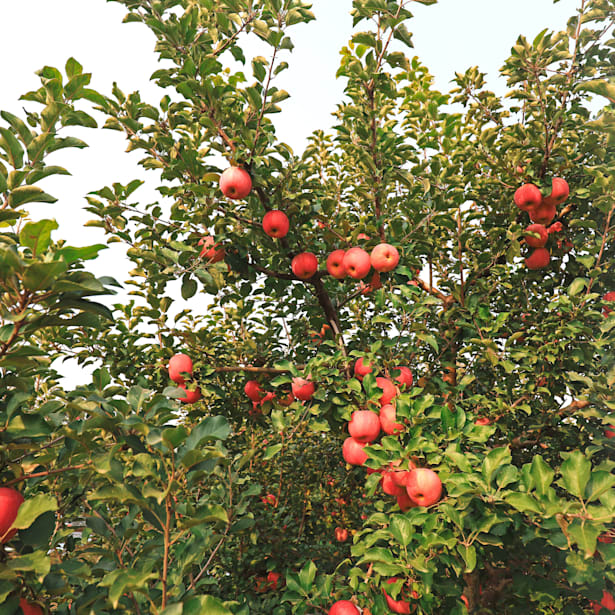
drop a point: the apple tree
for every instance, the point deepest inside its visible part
(493, 490)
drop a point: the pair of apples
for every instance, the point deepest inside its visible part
(402, 605)
(180, 364)
(302, 389)
(355, 262)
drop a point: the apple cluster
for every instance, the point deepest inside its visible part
(402, 605)
(542, 210)
(301, 389)
(179, 365)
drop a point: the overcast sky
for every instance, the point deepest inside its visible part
(448, 37)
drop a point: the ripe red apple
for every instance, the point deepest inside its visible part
(527, 197)
(364, 425)
(363, 236)
(400, 606)
(609, 433)
(10, 501)
(465, 601)
(556, 227)
(341, 534)
(269, 500)
(389, 391)
(273, 579)
(606, 539)
(29, 608)
(424, 486)
(536, 242)
(275, 224)
(344, 607)
(353, 453)
(357, 263)
(538, 259)
(304, 265)
(559, 191)
(361, 369)
(179, 363)
(388, 420)
(389, 486)
(405, 502)
(303, 389)
(191, 396)
(608, 602)
(610, 296)
(384, 257)
(253, 390)
(405, 376)
(211, 250)
(235, 183)
(335, 264)
(483, 420)
(544, 213)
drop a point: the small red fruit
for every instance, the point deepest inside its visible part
(235, 183)
(353, 453)
(465, 601)
(341, 534)
(388, 420)
(361, 369)
(405, 502)
(344, 607)
(364, 425)
(357, 263)
(556, 227)
(304, 265)
(179, 363)
(424, 486)
(538, 259)
(536, 242)
(211, 250)
(389, 391)
(335, 264)
(610, 296)
(303, 389)
(544, 213)
(10, 501)
(30, 609)
(608, 602)
(559, 191)
(273, 578)
(253, 390)
(527, 197)
(389, 486)
(384, 257)
(269, 500)
(609, 433)
(400, 606)
(192, 396)
(405, 376)
(275, 224)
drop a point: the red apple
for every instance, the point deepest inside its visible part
(344, 607)
(191, 396)
(538, 259)
(556, 227)
(544, 213)
(405, 376)
(608, 602)
(304, 265)
(610, 296)
(357, 263)
(483, 420)
(303, 389)
(389, 486)
(335, 264)
(559, 191)
(30, 609)
(353, 453)
(179, 363)
(253, 390)
(273, 578)
(341, 534)
(465, 601)
(405, 502)
(388, 420)
(275, 224)
(606, 539)
(361, 369)
(269, 500)
(527, 197)
(389, 391)
(384, 257)
(364, 425)
(211, 250)
(424, 486)
(536, 242)
(401, 605)
(235, 183)
(609, 433)
(363, 236)
(10, 501)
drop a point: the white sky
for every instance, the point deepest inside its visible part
(449, 36)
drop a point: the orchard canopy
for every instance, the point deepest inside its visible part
(282, 462)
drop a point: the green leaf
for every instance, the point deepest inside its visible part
(469, 556)
(71, 255)
(307, 576)
(523, 502)
(497, 458)
(37, 235)
(10, 144)
(37, 562)
(29, 194)
(32, 508)
(189, 288)
(39, 276)
(401, 528)
(600, 483)
(542, 474)
(272, 451)
(575, 471)
(577, 285)
(585, 535)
